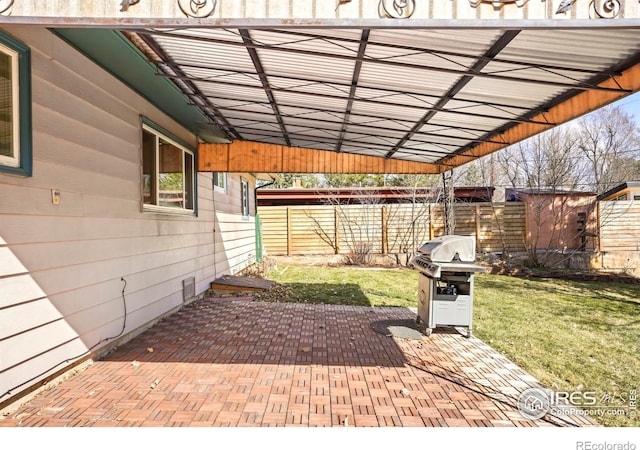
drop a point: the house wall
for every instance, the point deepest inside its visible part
(63, 268)
(235, 241)
(619, 237)
(619, 229)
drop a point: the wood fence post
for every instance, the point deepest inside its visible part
(525, 228)
(385, 236)
(336, 230)
(288, 231)
(430, 223)
(598, 244)
(477, 221)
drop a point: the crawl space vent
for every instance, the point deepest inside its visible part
(188, 288)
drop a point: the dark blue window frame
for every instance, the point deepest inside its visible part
(25, 149)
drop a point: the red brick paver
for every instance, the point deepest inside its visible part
(254, 364)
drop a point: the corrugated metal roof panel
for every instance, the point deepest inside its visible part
(422, 157)
(418, 94)
(389, 110)
(215, 91)
(310, 100)
(403, 78)
(334, 41)
(594, 49)
(321, 68)
(312, 115)
(256, 126)
(511, 92)
(396, 133)
(357, 138)
(458, 120)
(469, 41)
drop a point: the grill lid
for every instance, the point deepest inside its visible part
(450, 248)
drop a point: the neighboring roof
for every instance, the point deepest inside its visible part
(443, 95)
(548, 191)
(319, 196)
(621, 187)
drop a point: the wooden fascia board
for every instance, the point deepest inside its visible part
(574, 107)
(247, 156)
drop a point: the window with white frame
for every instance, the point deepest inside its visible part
(15, 107)
(220, 181)
(244, 189)
(168, 172)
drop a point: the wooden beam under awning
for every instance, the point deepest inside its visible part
(247, 156)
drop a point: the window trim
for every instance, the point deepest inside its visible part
(622, 197)
(245, 202)
(225, 177)
(159, 132)
(22, 163)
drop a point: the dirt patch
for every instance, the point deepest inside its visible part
(519, 268)
(277, 293)
(384, 261)
(588, 276)
(526, 272)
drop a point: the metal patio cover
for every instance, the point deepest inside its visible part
(439, 95)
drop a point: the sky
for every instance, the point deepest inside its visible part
(631, 105)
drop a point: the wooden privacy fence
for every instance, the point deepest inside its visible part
(389, 228)
(618, 223)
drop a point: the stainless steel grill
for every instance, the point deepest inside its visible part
(445, 287)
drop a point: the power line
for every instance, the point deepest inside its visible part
(582, 156)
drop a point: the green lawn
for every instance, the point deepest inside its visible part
(572, 336)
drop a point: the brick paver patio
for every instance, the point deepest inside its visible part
(255, 364)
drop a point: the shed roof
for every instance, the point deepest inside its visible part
(619, 188)
(516, 193)
(399, 194)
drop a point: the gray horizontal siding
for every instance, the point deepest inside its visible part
(61, 266)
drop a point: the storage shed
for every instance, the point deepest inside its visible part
(558, 220)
